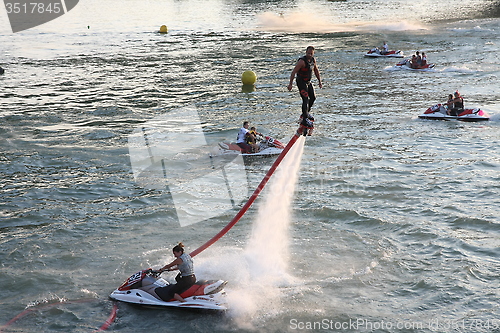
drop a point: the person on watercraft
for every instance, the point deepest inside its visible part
(419, 59)
(458, 104)
(385, 48)
(241, 140)
(251, 137)
(449, 103)
(185, 279)
(424, 60)
(413, 61)
(304, 68)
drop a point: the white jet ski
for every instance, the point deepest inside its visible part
(267, 146)
(140, 289)
(377, 53)
(441, 112)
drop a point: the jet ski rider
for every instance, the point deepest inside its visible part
(251, 137)
(304, 68)
(185, 279)
(385, 48)
(241, 140)
(458, 104)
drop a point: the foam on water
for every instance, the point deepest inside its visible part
(257, 272)
(309, 22)
(266, 254)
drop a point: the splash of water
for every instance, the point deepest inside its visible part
(310, 22)
(257, 272)
(266, 255)
(267, 248)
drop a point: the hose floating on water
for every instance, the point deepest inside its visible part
(36, 308)
(111, 318)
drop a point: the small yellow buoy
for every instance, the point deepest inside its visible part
(163, 29)
(248, 77)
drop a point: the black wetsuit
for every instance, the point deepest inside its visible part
(305, 86)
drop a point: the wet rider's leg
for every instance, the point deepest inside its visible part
(312, 98)
(245, 148)
(178, 297)
(304, 94)
(305, 88)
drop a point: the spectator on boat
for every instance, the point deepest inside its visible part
(419, 59)
(185, 279)
(251, 137)
(449, 102)
(413, 62)
(458, 104)
(385, 48)
(241, 140)
(424, 59)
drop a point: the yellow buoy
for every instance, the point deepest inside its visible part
(248, 77)
(163, 29)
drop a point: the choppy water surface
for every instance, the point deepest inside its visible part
(394, 225)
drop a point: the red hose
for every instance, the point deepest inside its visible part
(110, 319)
(221, 233)
(252, 198)
(27, 311)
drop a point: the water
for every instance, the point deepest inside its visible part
(393, 221)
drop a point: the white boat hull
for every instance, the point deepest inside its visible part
(440, 112)
(141, 297)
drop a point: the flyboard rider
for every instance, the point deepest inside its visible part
(304, 68)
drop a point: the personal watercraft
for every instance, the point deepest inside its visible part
(267, 146)
(441, 112)
(406, 64)
(140, 289)
(377, 53)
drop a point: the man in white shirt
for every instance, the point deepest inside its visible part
(385, 48)
(241, 140)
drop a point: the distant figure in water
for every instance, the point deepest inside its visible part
(2, 70)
